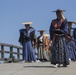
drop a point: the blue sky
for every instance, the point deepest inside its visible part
(14, 12)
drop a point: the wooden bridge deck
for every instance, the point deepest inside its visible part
(42, 68)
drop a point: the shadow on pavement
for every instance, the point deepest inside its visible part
(38, 66)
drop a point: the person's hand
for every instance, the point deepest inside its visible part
(69, 37)
(57, 29)
(33, 42)
(50, 43)
(20, 43)
(75, 22)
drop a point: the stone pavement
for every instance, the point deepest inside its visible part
(42, 68)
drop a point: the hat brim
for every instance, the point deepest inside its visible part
(46, 35)
(27, 23)
(72, 22)
(59, 10)
(41, 30)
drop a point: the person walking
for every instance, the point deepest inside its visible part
(40, 45)
(71, 42)
(58, 36)
(46, 47)
(26, 39)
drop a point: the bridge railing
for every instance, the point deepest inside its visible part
(10, 52)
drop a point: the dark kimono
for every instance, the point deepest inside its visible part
(26, 37)
(71, 45)
(74, 33)
(59, 50)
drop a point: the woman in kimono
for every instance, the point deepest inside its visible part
(58, 35)
(71, 43)
(27, 39)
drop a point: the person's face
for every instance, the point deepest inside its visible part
(69, 24)
(27, 27)
(41, 33)
(59, 15)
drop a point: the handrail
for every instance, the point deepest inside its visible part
(10, 51)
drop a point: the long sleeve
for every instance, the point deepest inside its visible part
(64, 27)
(51, 31)
(32, 35)
(20, 37)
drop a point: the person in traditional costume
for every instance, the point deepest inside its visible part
(58, 35)
(74, 34)
(26, 39)
(40, 45)
(46, 47)
(71, 42)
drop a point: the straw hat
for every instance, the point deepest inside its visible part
(27, 23)
(41, 30)
(72, 22)
(59, 10)
(46, 35)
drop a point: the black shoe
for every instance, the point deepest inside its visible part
(58, 65)
(64, 65)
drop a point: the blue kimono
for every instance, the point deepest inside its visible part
(26, 37)
(71, 45)
(59, 49)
